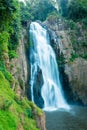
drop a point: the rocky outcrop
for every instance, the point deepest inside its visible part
(77, 74)
(40, 120)
(73, 70)
(19, 66)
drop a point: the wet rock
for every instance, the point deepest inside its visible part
(40, 120)
(38, 82)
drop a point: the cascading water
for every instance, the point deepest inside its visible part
(42, 55)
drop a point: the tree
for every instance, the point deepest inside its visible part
(42, 9)
(10, 26)
(36, 10)
(77, 10)
(64, 5)
(25, 11)
(7, 12)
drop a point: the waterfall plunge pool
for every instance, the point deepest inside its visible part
(74, 119)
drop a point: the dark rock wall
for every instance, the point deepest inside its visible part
(37, 88)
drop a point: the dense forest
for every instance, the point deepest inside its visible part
(17, 112)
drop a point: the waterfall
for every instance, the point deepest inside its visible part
(42, 55)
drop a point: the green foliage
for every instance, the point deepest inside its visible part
(8, 76)
(84, 20)
(5, 88)
(18, 101)
(4, 40)
(21, 82)
(61, 60)
(3, 43)
(74, 9)
(7, 104)
(25, 13)
(78, 38)
(7, 13)
(15, 29)
(7, 121)
(36, 10)
(14, 35)
(73, 57)
(12, 54)
(77, 9)
(42, 9)
(33, 106)
(28, 112)
(83, 43)
(53, 17)
(14, 112)
(6, 73)
(71, 24)
(64, 7)
(84, 56)
(10, 27)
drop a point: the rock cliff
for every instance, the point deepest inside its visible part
(19, 66)
(72, 66)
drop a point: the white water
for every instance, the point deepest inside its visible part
(44, 57)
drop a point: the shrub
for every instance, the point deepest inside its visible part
(6, 73)
(84, 56)
(53, 17)
(4, 36)
(12, 54)
(73, 57)
(7, 104)
(71, 24)
(77, 9)
(28, 112)
(7, 122)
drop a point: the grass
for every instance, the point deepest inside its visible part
(7, 121)
(6, 73)
(15, 112)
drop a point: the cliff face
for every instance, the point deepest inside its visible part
(77, 73)
(19, 68)
(19, 65)
(72, 65)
